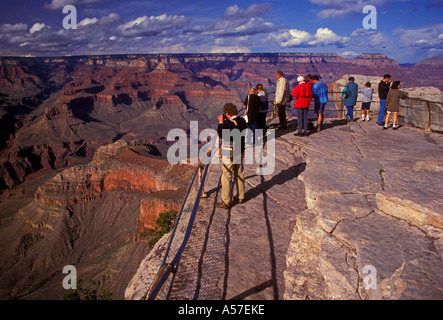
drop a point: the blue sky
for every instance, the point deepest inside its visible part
(407, 31)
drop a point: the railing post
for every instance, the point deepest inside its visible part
(428, 124)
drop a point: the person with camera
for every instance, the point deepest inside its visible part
(253, 104)
(232, 153)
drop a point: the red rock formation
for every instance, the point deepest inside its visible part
(150, 208)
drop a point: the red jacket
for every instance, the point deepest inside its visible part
(303, 95)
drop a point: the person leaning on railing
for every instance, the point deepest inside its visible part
(393, 103)
(383, 89)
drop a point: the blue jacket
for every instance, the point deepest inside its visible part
(320, 92)
(352, 88)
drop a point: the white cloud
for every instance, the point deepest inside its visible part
(234, 28)
(58, 4)
(325, 36)
(87, 21)
(349, 54)
(153, 25)
(133, 23)
(253, 11)
(301, 38)
(231, 49)
(340, 8)
(37, 27)
(13, 28)
(427, 37)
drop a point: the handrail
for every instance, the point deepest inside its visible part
(166, 269)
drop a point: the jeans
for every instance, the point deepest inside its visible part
(282, 115)
(302, 119)
(262, 122)
(253, 126)
(350, 113)
(381, 113)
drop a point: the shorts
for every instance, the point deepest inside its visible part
(319, 107)
(365, 105)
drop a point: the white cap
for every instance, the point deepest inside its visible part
(300, 79)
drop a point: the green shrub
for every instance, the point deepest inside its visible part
(92, 292)
(164, 224)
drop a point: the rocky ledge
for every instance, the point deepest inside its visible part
(373, 227)
(350, 212)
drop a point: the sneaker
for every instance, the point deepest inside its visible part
(367, 118)
(385, 127)
(394, 127)
(363, 118)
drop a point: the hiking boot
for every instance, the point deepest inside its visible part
(222, 205)
(240, 201)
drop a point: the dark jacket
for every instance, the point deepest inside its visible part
(253, 106)
(236, 123)
(352, 89)
(383, 89)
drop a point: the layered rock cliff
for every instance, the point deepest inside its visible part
(93, 216)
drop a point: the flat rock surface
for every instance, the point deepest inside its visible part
(350, 212)
(241, 253)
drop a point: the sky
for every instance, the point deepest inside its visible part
(407, 31)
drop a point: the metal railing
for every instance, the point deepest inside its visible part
(162, 284)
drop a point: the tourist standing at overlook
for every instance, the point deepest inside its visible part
(383, 89)
(350, 94)
(393, 103)
(252, 105)
(263, 95)
(367, 92)
(303, 96)
(320, 94)
(282, 96)
(232, 156)
(308, 80)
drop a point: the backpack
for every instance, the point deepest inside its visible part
(345, 92)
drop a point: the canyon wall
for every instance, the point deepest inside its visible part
(94, 217)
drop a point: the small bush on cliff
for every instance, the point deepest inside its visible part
(164, 224)
(92, 292)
